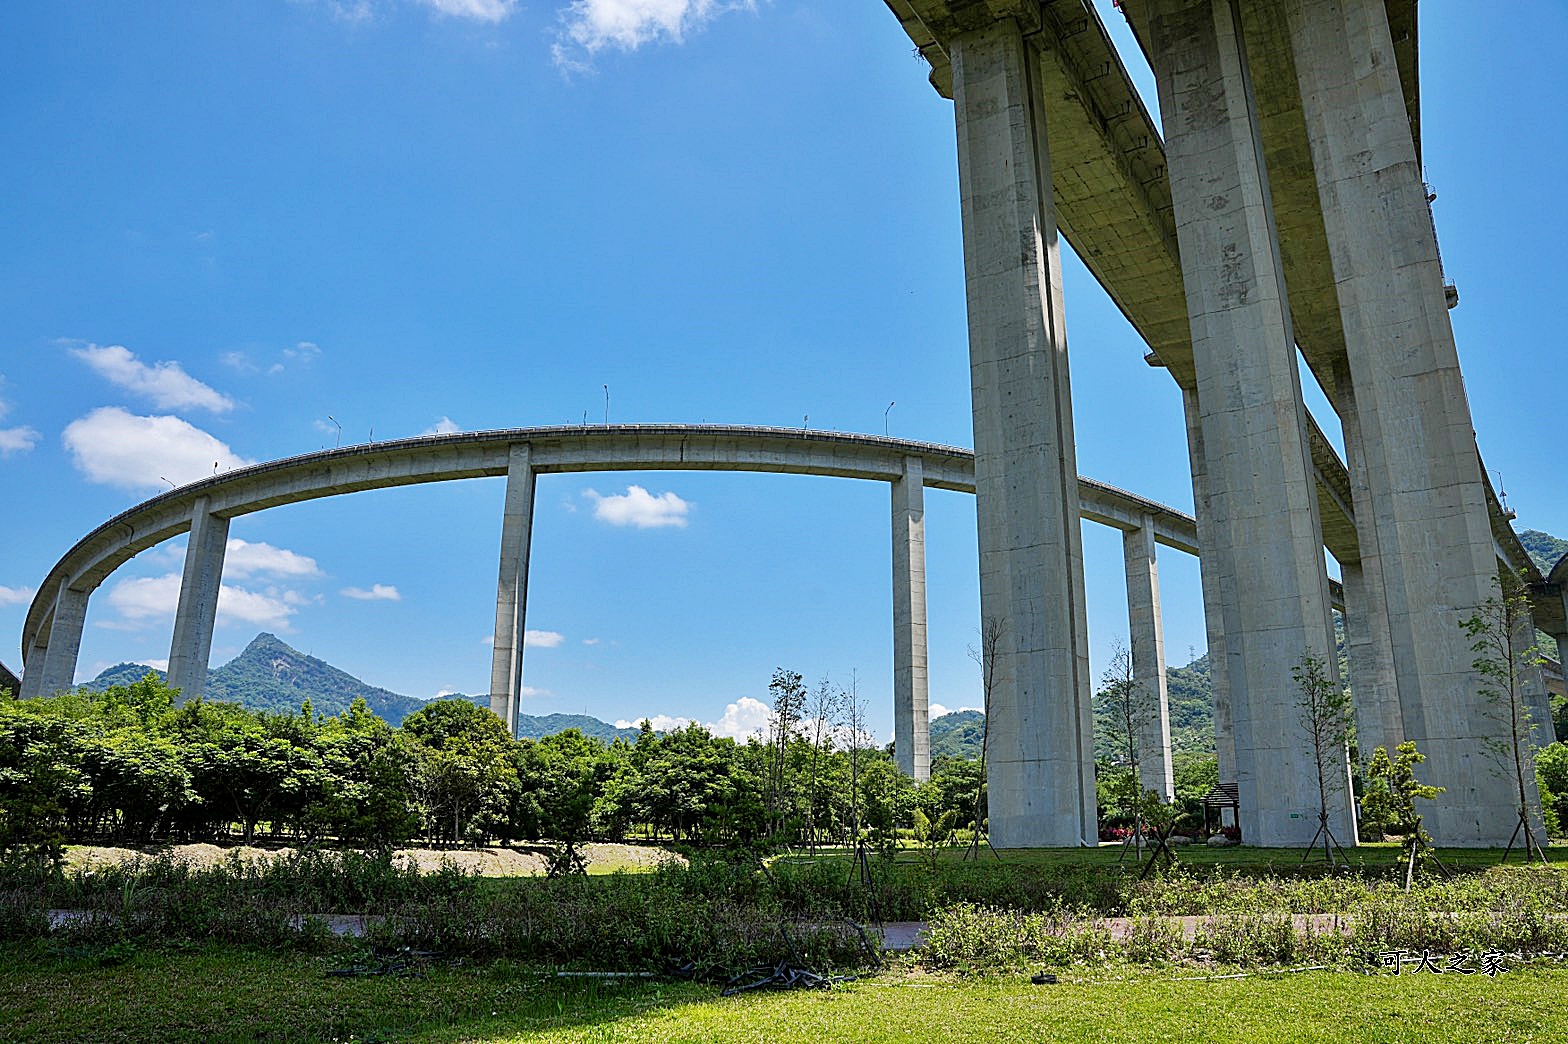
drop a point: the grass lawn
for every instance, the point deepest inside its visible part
(220, 993)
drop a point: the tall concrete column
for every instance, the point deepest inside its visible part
(1209, 571)
(33, 658)
(1378, 721)
(1562, 652)
(1040, 769)
(911, 692)
(197, 612)
(511, 600)
(1374, 684)
(1261, 493)
(1147, 633)
(1422, 469)
(1532, 683)
(52, 667)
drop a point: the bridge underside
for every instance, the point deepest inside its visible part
(1285, 213)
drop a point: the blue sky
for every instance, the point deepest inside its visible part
(226, 222)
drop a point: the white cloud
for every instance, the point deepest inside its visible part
(15, 595)
(269, 611)
(488, 639)
(376, 593)
(741, 720)
(660, 723)
(144, 598)
(17, 440)
(350, 10)
(744, 718)
(239, 361)
(590, 26)
(592, 641)
(637, 507)
(541, 639)
(165, 383)
(528, 691)
(478, 10)
(242, 558)
(936, 711)
(121, 449)
(14, 440)
(302, 354)
(444, 426)
(151, 599)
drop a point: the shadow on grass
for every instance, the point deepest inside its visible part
(219, 993)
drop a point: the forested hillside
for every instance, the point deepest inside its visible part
(1192, 719)
(1543, 548)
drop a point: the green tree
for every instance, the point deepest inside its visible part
(1501, 656)
(1551, 770)
(1127, 704)
(1389, 802)
(464, 760)
(788, 691)
(1325, 710)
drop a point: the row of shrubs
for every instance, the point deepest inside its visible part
(732, 914)
(979, 938)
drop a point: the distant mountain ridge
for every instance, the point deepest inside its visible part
(270, 675)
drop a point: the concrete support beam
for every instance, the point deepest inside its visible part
(1378, 720)
(1426, 496)
(1147, 633)
(54, 665)
(1209, 571)
(511, 599)
(197, 612)
(1040, 768)
(911, 692)
(1260, 491)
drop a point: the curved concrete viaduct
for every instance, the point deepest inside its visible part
(1319, 243)
(52, 633)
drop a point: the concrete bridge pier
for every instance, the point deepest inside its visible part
(911, 691)
(1373, 682)
(1213, 605)
(1426, 496)
(1261, 495)
(197, 612)
(52, 658)
(1041, 764)
(1532, 684)
(511, 601)
(1372, 688)
(1146, 630)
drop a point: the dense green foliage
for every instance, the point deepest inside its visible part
(132, 764)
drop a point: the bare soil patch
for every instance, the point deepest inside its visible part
(487, 862)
